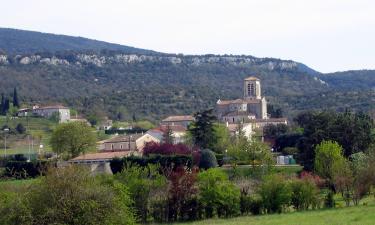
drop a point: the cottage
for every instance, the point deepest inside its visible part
(178, 133)
(130, 142)
(184, 120)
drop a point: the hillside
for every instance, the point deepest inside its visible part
(151, 85)
(13, 41)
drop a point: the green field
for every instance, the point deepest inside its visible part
(40, 128)
(360, 215)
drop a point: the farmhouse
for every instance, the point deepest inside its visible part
(178, 133)
(183, 120)
(130, 142)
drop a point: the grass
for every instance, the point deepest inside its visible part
(40, 128)
(355, 215)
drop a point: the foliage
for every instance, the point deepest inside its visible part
(168, 136)
(71, 139)
(141, 181)
(222, 136)
(183, 204)
(202, 129)
(252, 152)
(23, 169)
(275, 193)
(165, 162)
(350, 130)
(20, 128)
(274, 131)
(328, 159)
(16, 102)
(329, 201)
(166, 149)
(71, 195)
(207, 159)
(304, 194)
(218, 196)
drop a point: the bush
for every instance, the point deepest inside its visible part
(24, 169)
(217, 195)
(166, 149)
(71, 195)
(207, 159)
(165, 161)
(141, 181)
(20, 128)
(304, 194)
(329, 201)
(275, 194)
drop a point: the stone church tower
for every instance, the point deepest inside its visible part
(252, 88)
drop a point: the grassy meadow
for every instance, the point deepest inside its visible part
(354, 215)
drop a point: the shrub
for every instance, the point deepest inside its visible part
(166, 149)
(141, 181)
(24, 169)
(20, 128)
(165, 161)
(217, 195)
(207, 159)
(304, 194)
(329, 201)
(71, 195)
(275, 193)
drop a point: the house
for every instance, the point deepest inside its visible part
(23, 112)
(47, 112)
(178, 133)
(130, 142)
(247, 129)
(183, 120)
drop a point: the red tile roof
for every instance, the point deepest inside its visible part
(174, 128)
(178, 118)
(102, 155)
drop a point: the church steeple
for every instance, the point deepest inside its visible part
(252, 88)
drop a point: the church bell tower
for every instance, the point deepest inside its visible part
(252, 88)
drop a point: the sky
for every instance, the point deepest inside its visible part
(326, 35)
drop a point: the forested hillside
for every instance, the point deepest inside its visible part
(13, 41)
(116, 81)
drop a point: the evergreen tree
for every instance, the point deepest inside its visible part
(6, 105)
(16, 102)
(167, 136)
(2, 104)
(202, 130)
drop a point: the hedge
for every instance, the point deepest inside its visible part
(117, 164)
(24, 169)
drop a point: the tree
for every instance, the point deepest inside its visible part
(2, 104)
(141, 182)
(217, 194)
(71, 139)
(328, 159)
(20, 128)
(275, 193)
(207, 159)
(274, 131)
(222, 137)
(71, 195)
(16, 102)
(168, 135)
(202, 129)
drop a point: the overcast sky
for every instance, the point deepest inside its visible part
(327, 35)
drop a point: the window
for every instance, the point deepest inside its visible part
(120, 146)
(250, 89)
(112, 146)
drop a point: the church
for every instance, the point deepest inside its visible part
(252, 108)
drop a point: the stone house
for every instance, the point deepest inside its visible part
(130, 142)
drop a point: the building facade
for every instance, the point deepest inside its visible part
(133, 142)
(251, 106)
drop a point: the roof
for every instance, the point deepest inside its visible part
(232, 127)
(102, 155)
(24, 110)
(271, 120)
(252, 78)
(238, 101)
(239, 113)
(174, 128)
(124, 138)
(178, 118)
(53, 107)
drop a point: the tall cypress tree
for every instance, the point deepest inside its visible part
(6, 106)
(2, 104)
(16, 102)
